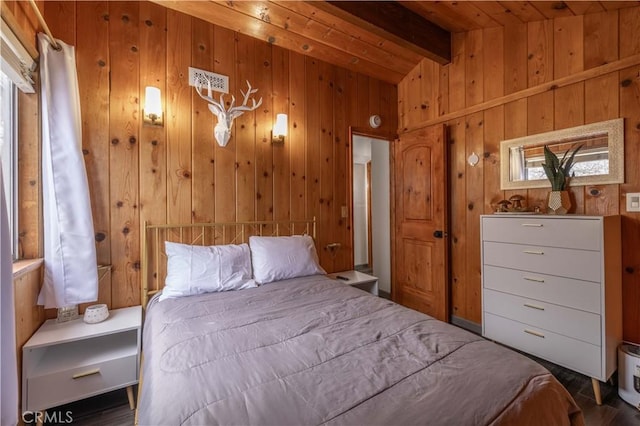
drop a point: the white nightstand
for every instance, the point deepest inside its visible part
(70, 361)
(363, 281)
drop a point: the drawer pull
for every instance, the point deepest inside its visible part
(86, 373)
(529, 305)
(539, 253)
(534, 279)
(534, 333)
(533, 225)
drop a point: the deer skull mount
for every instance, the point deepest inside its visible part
(222, 131)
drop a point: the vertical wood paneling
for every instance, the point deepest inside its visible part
(474, 136)
(264, 120)
(413, 101)
(474, 68)
(153, 140)
(493, 134)
(328, 153)
(629, 31)
(601, 37)
(281, 152)
(540, 56)
(457, 86)
(92, 58)
(124, 112)
(570, 106)
(457, 197)
(313, 128)
(428, 89)
(493, 63)
(225, 157)
(203, 152)
(298, 136)
(245, 134)
(515, 58)
(351, 113)
(342, 179)
(179, 144)
(568, 47)
(61, 19)
(29, 160)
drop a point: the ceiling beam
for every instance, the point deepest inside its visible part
(391, 20)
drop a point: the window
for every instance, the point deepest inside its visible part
(9, 156)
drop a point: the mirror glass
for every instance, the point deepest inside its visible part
(600, 159)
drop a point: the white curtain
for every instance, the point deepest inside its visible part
(9, 366)
(517, 166)
(70, 269)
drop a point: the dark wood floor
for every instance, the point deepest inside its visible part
(112, 409)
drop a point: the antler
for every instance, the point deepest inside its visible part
(216, 107)
(234, 111)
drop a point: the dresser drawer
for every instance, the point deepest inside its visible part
(580, 325)
(60, 387)
(583, 234)
(578, 264)
(584, 295)
(573, 354)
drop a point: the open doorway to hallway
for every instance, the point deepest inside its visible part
(372, 209)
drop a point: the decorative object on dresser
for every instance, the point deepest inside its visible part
(558, 172)
(67, 362)
(551, 286)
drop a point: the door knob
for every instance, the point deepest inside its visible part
(439, 234)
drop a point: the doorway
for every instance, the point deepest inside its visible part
(371, 187)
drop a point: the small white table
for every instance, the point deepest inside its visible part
(357, 279)
(70, 361)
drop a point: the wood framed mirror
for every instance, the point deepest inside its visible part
(599, 161)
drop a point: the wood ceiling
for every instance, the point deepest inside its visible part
(386, 39)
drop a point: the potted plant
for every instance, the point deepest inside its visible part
(558, 172)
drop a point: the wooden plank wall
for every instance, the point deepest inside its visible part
(178, 173)
(492, 63)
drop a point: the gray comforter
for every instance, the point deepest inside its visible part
(313, 350)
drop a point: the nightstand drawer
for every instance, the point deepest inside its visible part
(578, 294)
(580, 325)
(582, 234)
(61, 387)
(574, 354)
(578, 264)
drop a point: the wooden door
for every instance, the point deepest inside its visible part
(421, 222)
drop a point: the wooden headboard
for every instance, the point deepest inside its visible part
(154, 258)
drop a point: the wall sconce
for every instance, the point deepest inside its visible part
(279, 129)
(152, 111)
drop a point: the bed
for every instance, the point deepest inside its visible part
(312, 350)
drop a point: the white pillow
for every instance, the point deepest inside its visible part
(280, 258)
(204, 269)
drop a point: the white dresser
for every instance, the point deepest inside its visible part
(551, 287)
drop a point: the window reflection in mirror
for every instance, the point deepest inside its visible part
(600, 160)
(591, 160)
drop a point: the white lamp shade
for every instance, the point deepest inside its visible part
(152, 102)
(281, 126)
